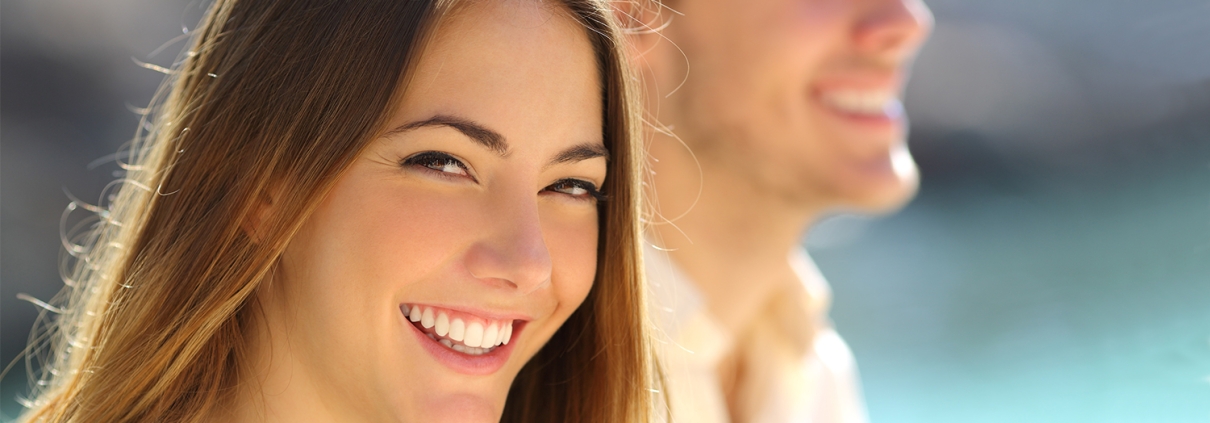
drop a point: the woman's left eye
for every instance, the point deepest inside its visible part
(577, 188)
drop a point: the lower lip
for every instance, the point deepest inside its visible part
(484, 364)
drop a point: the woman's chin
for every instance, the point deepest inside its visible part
(460, 408)
(430, 391)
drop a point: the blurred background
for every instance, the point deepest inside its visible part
(1054, 268)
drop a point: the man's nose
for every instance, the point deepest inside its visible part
(893, 29)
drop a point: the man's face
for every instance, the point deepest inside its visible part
(799, 98)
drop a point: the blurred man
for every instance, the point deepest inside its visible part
(777, 112)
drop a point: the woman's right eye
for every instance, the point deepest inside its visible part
(437, 161)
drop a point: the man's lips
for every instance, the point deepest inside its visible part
(873, 103)
(861, 93)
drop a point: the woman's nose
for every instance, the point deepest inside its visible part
(893, 30)
(512, 252)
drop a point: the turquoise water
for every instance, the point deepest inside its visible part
(1056, 305)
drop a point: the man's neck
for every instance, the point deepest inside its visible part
(733, 241)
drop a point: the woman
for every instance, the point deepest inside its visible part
(388, 210)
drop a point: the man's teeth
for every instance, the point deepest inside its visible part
(863, 102)
(468, 338)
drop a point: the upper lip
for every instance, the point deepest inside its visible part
(500, 315)
(860, 80)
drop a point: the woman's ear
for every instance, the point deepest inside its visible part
(642, 22)
(255, 222)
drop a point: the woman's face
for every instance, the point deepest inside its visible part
(456, 244)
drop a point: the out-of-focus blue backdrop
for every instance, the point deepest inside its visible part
(1054, 268)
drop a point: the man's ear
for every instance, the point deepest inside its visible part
(256, 222)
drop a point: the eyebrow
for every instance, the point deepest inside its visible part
(580, 153)
(495, 142)
(490, 139)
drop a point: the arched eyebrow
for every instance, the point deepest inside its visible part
(495, 142)
(580, 153)
(488, 138)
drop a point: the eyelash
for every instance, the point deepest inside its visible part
(590, 190)
(439, 162)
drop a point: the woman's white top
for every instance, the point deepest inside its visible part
(795, 369)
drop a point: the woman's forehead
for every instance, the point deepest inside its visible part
(521, 68)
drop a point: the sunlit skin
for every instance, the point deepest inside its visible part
(755, 106)
(430, 214)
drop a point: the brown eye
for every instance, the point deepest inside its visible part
(438, 161)
(576, 188)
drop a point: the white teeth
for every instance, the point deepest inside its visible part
(474, 335)
(427, 319)
(491, 336)
(443, 324)
(470, 350)
(474, 338)
(457, 330)
(864, 102)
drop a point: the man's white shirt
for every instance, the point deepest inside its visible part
(796, 368)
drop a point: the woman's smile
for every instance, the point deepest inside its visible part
(466, 342)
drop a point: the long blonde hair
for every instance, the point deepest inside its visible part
(285, 94)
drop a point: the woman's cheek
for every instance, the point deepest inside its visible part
(572, 240)
(417, 232)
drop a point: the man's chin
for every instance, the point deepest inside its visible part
(882, 198)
